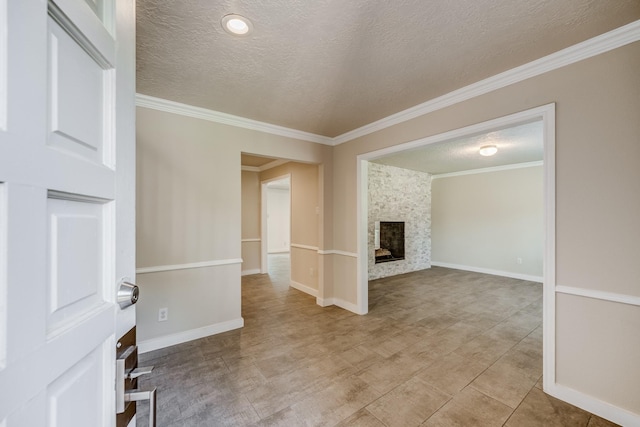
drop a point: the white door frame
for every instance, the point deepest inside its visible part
(263, 219)
(546, 113)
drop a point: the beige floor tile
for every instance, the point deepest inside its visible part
(452, 373)
(408, 404)
(284, 418)
(341, 399)
(295, 363)
(504, 384)
(486, 348)
(362, 418)
(389, 373)
(540, 409)
(361, 356)
(513, 375)
(596, 421)
(470, 408)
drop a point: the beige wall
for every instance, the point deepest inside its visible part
(189, 210)
(305, 223)
(597, 203)
(250, 222)
(486, 221)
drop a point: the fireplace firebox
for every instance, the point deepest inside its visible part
(389, 241)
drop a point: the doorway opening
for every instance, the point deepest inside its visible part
(544, 114)
(276, 224)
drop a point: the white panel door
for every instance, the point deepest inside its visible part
(67, 225)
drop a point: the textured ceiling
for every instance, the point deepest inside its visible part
(328, 66)
(517, 144)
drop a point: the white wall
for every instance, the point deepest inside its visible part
(397, 194)
(278, 220)
(487, 221)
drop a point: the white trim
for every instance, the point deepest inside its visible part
(226, 119)
(311, 248)
(337, 252)
(487, 170)
(326, 302)
(549, 257)
(266, 166)
(547, 114)
(254, 239)
(213, 263)
(601, 295)
(362, 234)
(190, 335)
(279, 251)
(594, 405)
(510, 274)
(587, 49)
(483, 127)
(304, 288)
(250, 272)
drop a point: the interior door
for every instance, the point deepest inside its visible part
(67, 225)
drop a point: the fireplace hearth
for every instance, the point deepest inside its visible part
(389, 241)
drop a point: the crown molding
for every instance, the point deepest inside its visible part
(167, 106)
(595, 46)
(614, 39)
(491, 169)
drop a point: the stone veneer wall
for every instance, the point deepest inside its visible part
(397, 194)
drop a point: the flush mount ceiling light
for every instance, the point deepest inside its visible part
(488, 150)
(236, 25)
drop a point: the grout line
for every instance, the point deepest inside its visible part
(519, 404)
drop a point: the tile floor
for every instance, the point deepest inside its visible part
(439, 347)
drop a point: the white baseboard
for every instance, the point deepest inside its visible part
(594, 405)
(528, 277)
(250, 272)
(304, 288)
(190, 335)
(326, 302)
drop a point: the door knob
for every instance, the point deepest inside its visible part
(127, 294)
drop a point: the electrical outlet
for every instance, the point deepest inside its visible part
(519, 260)
(163, 314)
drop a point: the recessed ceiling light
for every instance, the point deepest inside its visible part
(488, 150)
(236, 25)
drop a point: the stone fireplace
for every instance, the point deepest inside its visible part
(389, 241)
(397, 195)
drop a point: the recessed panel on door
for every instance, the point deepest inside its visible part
(76, 397)
(76, 256)
(79, 98)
